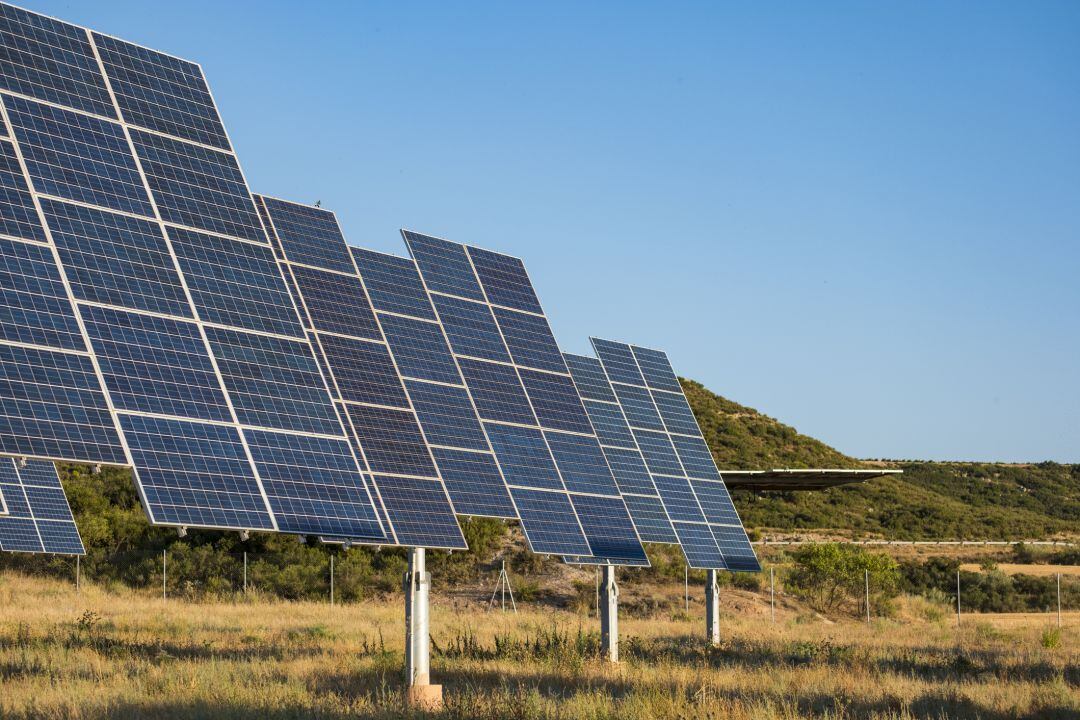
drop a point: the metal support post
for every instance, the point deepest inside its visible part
(78, 581)
(245, 573)
(957, 598)
(1059, 598)
(772, 592)
(164, 586)
(866, 577)
(331, 581)
(609, 615)
(686, 586)
(712, 609)
(421, 693)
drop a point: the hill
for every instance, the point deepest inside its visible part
(931, 500)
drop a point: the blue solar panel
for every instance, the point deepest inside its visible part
(618, 361)
(505, 281)
(611, 534)
(556, 402)
(638, 406)
(393, 284)
(497, 391)
(50, 60)
(391, 440)
(530, 340)
(77, 157)
(51, 406)
(197, 187)
(421, 515)
(553, 523)
(589, 377)
(155, 365)
(116, 259)
(656, 370)
(610, 425)
(474, 482)
(676, 413)
(658, 452)
(447, 415)
(699, 546)
(235, 283)
(363, 371)
(273, 382)
(679, 498)
(161, 93)
(524, 456)
(195, 474)
(582, 464)
(696, 458)
(309, 236)
(445, 268)
(39, 518)
(630, 471)
(420, 349)
(18, 217)
(471, 328)
(650, 518)
(735, 546)
(715, 502)
(338, 301)
(34, 306)
(313, 485)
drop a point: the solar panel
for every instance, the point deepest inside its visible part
(146, 321)
(562, 487)
(365, 379)
(674, 452)
(37, 517)
(621, 450)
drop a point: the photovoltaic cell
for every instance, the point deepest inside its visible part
(555, 529)
(18, 218)
(420, 349)
(505, 281)
(306, 235)
(445, 268)
(610, 425)
(556, 402)
(582, 464)
(447, 416)
(650, 518)
(39, 518)
(530, 341)
(471, 328)
(524, 457)
(611, 534)
(474, 482)
(393, 284)
(338, 301)
(497, 391)
(364, 372)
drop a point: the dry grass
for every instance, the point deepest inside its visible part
(1038, 570)
(118, 654)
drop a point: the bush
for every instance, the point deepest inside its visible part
(831, 576)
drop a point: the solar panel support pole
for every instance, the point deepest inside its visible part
(609, 615)
(421, 694)
(78, 583)
(712, 609)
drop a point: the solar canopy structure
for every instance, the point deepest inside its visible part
(528, 405)
(685, 475)
(143, 318)
(37, 517)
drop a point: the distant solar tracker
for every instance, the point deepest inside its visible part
(528, 404)
(143, 317)
(38, 518)
(361, 354)
(677, 457)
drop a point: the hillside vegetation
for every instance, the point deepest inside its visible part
(931, 500)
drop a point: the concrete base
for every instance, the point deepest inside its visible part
(427, 698)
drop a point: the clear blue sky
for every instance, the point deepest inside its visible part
(862, 219)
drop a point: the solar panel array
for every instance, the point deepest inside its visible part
(259, 374)
(365, 378)
(38, 518)
(677, 456)
(143, 318)
(527, 402)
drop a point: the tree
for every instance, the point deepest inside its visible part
(831, 575)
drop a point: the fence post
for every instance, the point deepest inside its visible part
(164, 577)
(958, 598)
(596, 574)
(866, 576)
(772, 592)
(78, 580)
(245, 572)
(1059, 598)
(686, 586)
(331, 581)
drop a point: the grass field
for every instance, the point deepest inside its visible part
(120, 654)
